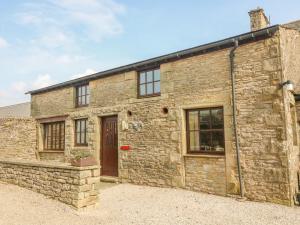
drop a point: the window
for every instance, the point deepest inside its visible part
(205, 131)
(149, 83)
(82, 95)
(81, 132)
(54, 136)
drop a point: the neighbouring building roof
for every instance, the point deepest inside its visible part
(16, 111)
(293, 25)
(225, 43)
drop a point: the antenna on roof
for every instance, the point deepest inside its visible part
(269, 19)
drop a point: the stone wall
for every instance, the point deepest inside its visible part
(205, 174)
(157, 147)
(71, 185)
(18, 138)
(158, 154)
(290, 51)
(261, 121)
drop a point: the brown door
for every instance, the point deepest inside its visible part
(109, 150)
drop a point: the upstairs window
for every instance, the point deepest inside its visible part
(82, 95)
(149, 83)
(81, 132)
(54, 136)
(205, 131)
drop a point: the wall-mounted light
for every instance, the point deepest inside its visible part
(288, 85)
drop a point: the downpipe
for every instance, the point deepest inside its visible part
(237, 146)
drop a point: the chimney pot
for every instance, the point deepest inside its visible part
(258, 19)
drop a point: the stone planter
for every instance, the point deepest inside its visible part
(88, 161)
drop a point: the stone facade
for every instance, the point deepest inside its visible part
(77, 187)
(268, 142)
(18, 138)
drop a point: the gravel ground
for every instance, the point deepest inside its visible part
(129, 204)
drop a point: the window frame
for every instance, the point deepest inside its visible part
(53, 138)
(202, 152)
(86, 96)
(139, 84)
(76, 143)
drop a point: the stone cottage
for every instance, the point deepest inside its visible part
(219, 118)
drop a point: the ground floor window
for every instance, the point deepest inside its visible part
(205, 130)
(54, 136)
(81, 132)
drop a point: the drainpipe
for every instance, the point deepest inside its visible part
(237, 146)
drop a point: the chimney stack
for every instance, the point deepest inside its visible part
(258, 19)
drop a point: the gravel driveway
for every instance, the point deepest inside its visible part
(130, 204)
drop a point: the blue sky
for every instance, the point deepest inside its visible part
(50, 41)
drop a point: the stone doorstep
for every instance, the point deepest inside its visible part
(108, 179)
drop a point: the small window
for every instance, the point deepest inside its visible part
(54, 136)
(82, 95)
(205, 131)
(149, 83)
(81, 132)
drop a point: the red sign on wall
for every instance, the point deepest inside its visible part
(125, 147)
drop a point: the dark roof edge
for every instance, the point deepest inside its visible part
(225, 43)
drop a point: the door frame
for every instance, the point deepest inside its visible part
(101, 141)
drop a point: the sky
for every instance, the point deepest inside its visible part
(51, 41)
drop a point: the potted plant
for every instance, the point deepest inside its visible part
(82, 159)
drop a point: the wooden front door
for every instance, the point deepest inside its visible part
(109, 149)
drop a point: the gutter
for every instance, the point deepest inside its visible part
(237, 144)
(202, 49)
(297, 97)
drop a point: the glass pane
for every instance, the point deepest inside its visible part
(149, 76)
(156, 75)
(46, 135)
(142, 89)
(142, 78)
(193, 120)
(82, 138)
(83, 127)
(88, 91)
(204, 119)
(79, 91)
(83, 90)
(157, 87)
(87, 99)
(83, 100)
(78, 138)
(218, 141)
(205, 141)
(194, 141)
(217, 118)
(79, 101)
(149, 88)
(77, 125)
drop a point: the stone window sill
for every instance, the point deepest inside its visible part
(204, 156)
(51, 152)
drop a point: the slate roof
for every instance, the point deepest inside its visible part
(16, 111)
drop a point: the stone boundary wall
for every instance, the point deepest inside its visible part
(17, 138)
(74, 186)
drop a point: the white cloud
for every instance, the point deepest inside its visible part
(42, 81)
(86, 73)
(53, 39)
(19, 86)
(95, 19)
(2, 94)
(3, 43)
